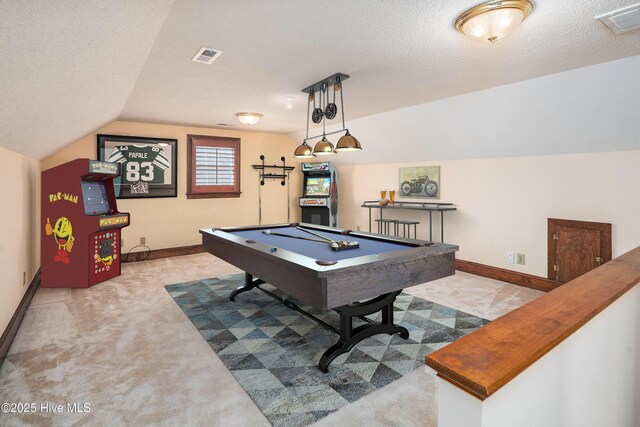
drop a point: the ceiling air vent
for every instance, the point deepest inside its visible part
(622, 20)
(207, 55)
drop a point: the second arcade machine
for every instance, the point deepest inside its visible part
(319, 201)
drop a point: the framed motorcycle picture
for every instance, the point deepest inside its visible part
(420, 181)
(148, 166)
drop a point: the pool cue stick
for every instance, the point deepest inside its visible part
(315, 234)
(269, 232)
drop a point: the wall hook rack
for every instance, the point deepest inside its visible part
(273, 172)
(284, 171)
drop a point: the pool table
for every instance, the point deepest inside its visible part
(354, 282)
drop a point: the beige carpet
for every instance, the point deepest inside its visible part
(126, 348)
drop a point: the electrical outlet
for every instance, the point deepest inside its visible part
(357, 228)
(520, 259)
(143, 240)
(122, 243)
(511, 257)
(24, 278)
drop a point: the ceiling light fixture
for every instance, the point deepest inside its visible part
(249, 118)
(493, 20)
(326, 111)
(288, 102)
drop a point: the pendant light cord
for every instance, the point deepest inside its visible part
(341, 99)
(309, 102)
(324, 92)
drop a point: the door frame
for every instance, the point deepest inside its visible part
(602, 227)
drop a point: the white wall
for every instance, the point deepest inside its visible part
(584, 110)
(588, 380)
(175, 221)
(565, 145)
(19, 228)
(503, 203)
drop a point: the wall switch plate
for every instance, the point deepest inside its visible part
(143, 240)
(511, 257)
(122, 243)
(520, 259)
(357, 228)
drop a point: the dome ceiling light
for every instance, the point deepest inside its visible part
(493, 20)
(324, 109)
(249, 118)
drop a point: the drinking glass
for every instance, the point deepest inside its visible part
(392, 195)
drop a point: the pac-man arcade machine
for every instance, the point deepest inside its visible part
(80, 224)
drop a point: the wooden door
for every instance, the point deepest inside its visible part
(575, 247)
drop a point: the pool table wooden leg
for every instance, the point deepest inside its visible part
(350, 337)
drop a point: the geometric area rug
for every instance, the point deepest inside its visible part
(273, 351)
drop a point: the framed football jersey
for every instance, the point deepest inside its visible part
(148, 166)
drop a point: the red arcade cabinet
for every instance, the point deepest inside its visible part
(80, 224)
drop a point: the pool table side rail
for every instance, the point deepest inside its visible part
(360, 282)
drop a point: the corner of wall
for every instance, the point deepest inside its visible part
(19, 256)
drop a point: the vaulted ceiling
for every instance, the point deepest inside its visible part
(72, 66)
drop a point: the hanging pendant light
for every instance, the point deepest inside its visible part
(348, 143)
(324, 147)
(303, 151)
(326, 111)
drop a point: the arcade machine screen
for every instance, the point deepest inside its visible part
(95, 198)
(318, 186)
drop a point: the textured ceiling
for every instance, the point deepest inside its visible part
(67, 67)
(79, 65)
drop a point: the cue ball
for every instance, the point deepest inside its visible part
(334, 244)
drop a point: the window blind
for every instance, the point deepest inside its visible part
(215, 165)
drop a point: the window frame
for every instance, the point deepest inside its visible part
(210, 192)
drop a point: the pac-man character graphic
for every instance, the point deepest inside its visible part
(106, 261)
(63, 235)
